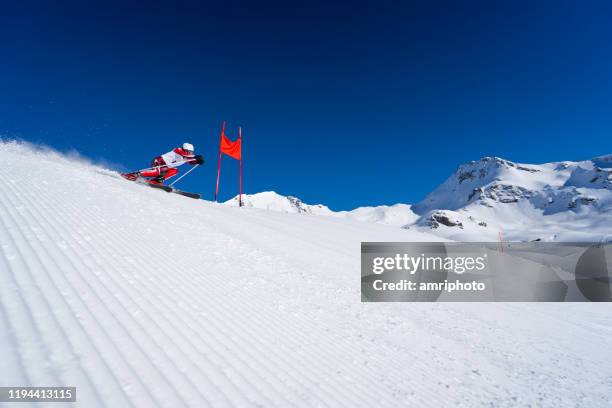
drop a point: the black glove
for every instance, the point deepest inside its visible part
(199, 159)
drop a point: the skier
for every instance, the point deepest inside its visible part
(165, 166)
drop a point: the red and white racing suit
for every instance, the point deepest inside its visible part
(164, 166)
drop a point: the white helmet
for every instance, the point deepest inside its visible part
(188, 147)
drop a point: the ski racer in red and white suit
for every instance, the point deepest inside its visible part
(165, 166)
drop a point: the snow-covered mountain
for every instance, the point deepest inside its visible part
(552, 201)
(270, 200)
(492, 199)
(552, 187)
(140, 298)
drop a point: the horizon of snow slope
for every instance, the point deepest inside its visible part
(142, 298)
(398, 215)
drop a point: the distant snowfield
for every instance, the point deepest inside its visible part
(142, 298)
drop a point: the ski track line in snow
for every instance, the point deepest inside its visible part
(16, 308)
(58, 269)
(50, 327)
(11, 362)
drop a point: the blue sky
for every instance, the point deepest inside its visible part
(347, 104)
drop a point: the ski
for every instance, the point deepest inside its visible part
(161, 187)
(169, 189)
(186, 194)
(174, 190)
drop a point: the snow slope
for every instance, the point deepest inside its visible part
(399, 215)
(142, 298)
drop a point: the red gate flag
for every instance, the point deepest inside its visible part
(232, 149)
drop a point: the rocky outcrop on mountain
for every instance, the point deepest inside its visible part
(443, 218)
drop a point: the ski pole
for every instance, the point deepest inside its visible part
(190, 170)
